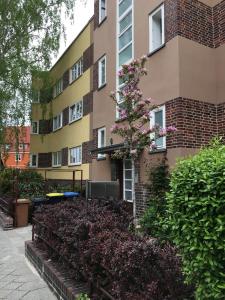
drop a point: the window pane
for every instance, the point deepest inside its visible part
(128, 185)
(125, 38)
(103, 9)
(128, 164)
(157, 30)
(103, 71)
(124, 5)
(125, 22)
(159, 118)
(159, 142)
(128, 195)
(125, 55)
(128, 174)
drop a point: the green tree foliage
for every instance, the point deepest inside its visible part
(196, 217)
(29, 36)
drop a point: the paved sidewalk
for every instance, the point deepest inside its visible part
(18, 279)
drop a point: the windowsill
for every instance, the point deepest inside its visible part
(102, 86)
(76, 164)
(34, 133)
(33, 167)
(57, 166)
(162, 150)
(71, 122)
(156, 50)
(73, 81)
(102, 21)
(54, 130)
(101, 158)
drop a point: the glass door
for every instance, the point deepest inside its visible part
(128, 180)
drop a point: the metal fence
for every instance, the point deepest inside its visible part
(108, 190)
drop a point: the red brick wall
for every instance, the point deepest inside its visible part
(197, 122)
(196, 21)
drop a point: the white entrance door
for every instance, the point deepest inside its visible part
(127, 180)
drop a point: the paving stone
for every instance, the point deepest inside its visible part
(18, 281)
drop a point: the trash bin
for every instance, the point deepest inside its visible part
(54, 197)
(71, 195)
(21, 212)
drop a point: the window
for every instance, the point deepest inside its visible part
(127, 180)
(58, 87)
(56, 159)
(75, 155)
(76, 70)
(18, 157)
(33, 160)
(76, 111)
(158, 117)
(57, 122)
(156, 29)
(125, 32)
(102, 72)
(102, 10)
(101, 140)
(35, 127)
(36, 96)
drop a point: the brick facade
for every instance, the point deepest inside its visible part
(197, 122)
(196, 21)
(88, 57)
(86, 154)
(88, 104)
(44, 160)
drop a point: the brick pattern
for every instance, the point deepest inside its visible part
(66, 116)
(88, 57)
(95, 142)
(88, 104)
(95, 76)
(96, 14)
(44, 160)
(65, 156)
(221, 120)
(196, 21)
(86, 154)
(142, 195)
(196, 122)
(66, 79)
(45, 126)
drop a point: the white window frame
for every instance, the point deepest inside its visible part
(100, 62)
(152, 123)
(77, 163)
(19, 155)
(131, 180)
(161, 8)
(58, 88)
(102, 17)
(59, 118)
(32, 132)
(118, 67)
(100, 130)
(30, 163)
(76, 69)
(58, 159)
(71, 120)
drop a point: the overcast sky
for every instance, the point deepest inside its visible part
(83, 11)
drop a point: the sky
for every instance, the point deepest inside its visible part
(83, 11)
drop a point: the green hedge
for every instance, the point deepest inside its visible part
(196, 218)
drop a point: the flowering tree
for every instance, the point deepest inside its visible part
(134, 113)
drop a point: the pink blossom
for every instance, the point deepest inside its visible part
(162, 132)
(148, 101)
(133, 151)
(120, 73)
(114, 128)
(171, 129)
(123, 113)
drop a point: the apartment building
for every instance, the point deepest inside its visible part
(185, 44)
(61, 128)
(16, 150)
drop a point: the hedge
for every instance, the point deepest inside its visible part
(196, 218)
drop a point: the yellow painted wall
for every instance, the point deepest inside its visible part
(78, 132)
